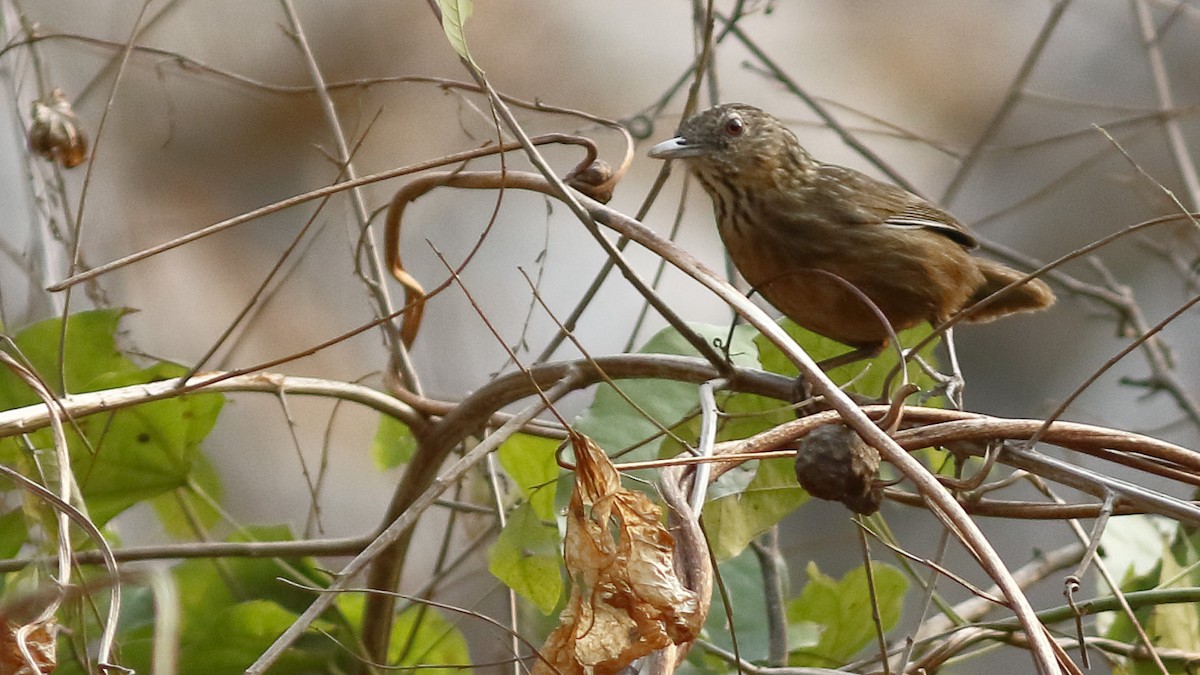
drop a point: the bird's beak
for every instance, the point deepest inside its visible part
(676, 148)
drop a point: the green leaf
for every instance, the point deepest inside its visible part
(1165, 551)
(841, 611)
(745, 415)
(421, 636)
(239, 635)
(742, 579)
(1133, 545)
(734, 520)
(614, 424)
(743, 349)
(393, 445)
(527, 559)
(868, 376)
(138, 453)
(206, 587)
(454, 19)
(235, 637)
(530, 462)
(90, 352)
(13, 533)
(119, 458)
(230, 610)
(749, 414)
(178, 520)
(1174, 625)
(429, 639)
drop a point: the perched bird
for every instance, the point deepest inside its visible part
(805, 235)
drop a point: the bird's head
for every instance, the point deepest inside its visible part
(733, 138)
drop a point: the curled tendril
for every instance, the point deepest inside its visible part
(591, 176)
(640, 127)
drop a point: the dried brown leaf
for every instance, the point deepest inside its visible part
(626, 599)
(39, 642)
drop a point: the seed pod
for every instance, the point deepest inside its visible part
(834, 463)
(55, 132)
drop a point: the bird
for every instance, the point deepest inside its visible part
(832, 248)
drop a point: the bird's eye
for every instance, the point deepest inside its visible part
(734, 126)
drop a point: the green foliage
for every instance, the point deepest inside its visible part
(614, 424)
(230, 611)
(90, 353)
(240, 633)
(526, 556)
(120, 458)
(13, 533)
(530, 462)
(177, 509)
(1133, 546)
(141, 452)
(744, 415)
(1152, 553)
(831, 620)
(743, 593)
(421, 638)
(840, 613)
(213, 585)
(734, 520)
(868, 376)
(393, 445)
(454, 19)
(527, 559)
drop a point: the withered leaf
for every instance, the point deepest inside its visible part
(626, 599)
(39, 643)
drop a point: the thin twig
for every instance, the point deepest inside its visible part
(1010, 99)
(1151, 41)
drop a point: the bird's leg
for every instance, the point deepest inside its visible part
(951, 385)
(954, 388)
(802, 388)
(728, 344)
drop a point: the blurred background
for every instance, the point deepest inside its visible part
(918, 82)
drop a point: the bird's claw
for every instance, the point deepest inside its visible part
(951, 386)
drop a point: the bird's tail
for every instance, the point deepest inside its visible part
(1030, 296)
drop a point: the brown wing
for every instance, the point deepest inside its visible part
(862, 200)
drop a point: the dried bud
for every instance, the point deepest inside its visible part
(55, 132)
(594, 181)
(834, 463)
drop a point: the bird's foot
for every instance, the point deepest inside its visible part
(951, 385)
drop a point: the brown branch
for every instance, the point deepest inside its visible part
(1020, 510)
(954, 425)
